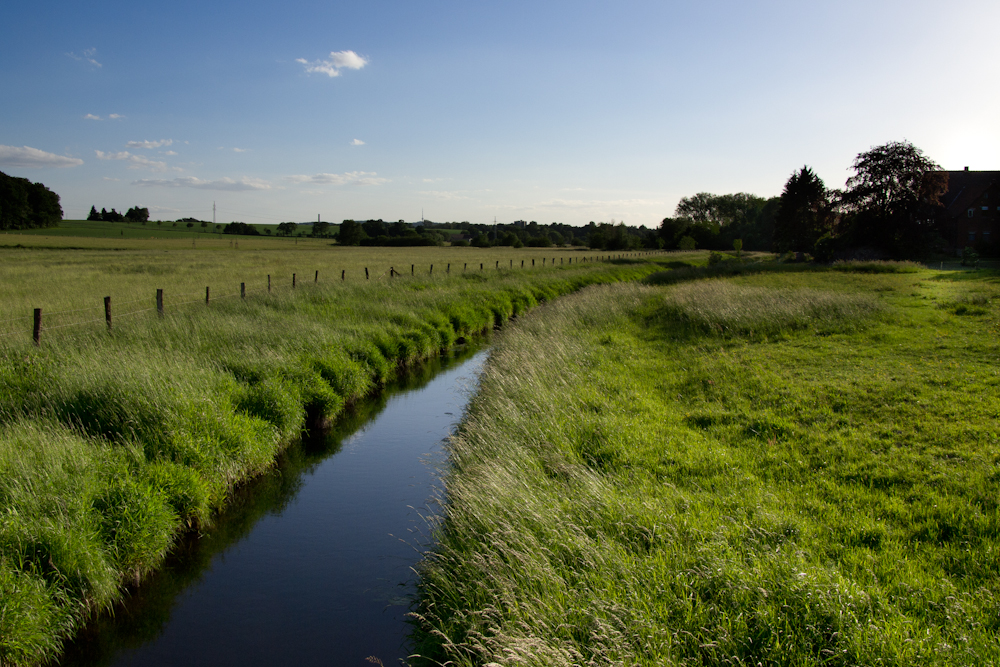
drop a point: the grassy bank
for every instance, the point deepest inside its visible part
(779, 467)
(112, 443)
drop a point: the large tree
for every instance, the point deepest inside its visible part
(804, 213)
(892, 197)
(24, 205)
(715, 221)
(350, 233)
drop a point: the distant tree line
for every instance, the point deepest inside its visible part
(240, 228)
(134, 214)
(27, 205)
(378, 233)
(890, 207)
(604, 236)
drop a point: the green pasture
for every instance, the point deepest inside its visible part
(69, 277)
(114, 442)
(743, 465)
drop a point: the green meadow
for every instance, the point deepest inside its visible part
(750, 464)
(115, 442)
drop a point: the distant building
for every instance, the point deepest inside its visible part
(972, 208)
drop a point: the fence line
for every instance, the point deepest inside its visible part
(162, 302)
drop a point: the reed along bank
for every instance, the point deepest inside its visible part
(777, 467)
(113, 442)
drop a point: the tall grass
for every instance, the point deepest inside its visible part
(621, 496)
(721, 307)
(111, 443)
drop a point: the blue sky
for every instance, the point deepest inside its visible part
(547, 111)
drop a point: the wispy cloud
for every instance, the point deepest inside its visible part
(357, 142)
(337, 61)
(351, 177)
(225, 184)
(169, 152)
(91, 116)
(108, 178)
(240, 150)
(443, 194)
(112, 116)
(115, 116)
(135, 161)
(87, 56)
(149, 144)
(25, 156)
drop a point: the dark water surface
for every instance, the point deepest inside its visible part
(311, 564)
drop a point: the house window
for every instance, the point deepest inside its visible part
(986, 208)
(971, 212)
(972, 236)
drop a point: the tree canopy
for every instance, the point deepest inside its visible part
(350, 233)
(27, 205)
(804, 213)
(892, 197)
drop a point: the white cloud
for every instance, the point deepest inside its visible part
(357, 142)
(169, 152)
(239, 150)
(136, 161)
(91, 116)
(115, 116)
(442, 194)
(338, 60)
(108, 178)
(225, 184)
(150, 144)
(122, 155)
(351, 177)
(88, 56)
(25, 156)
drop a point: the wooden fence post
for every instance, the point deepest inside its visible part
(243, 290)
(36, 332)
(432, 270)
(366, 273)
(498, 265)
(343, 272)
(392, 272)
(293, 281)
(206, 295)
(159, 302)
(412, 269)
(316, 280)
(107, 311)
(522, 263)
(448, 270)
(269, 283)
(464, 267)
(532, 261)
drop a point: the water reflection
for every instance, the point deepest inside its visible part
(311, 563)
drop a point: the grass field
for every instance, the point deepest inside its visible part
(75, 273)
(112, 443)
(780, 467)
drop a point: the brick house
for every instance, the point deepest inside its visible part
(971, 215)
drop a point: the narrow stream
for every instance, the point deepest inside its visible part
(311, 564)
